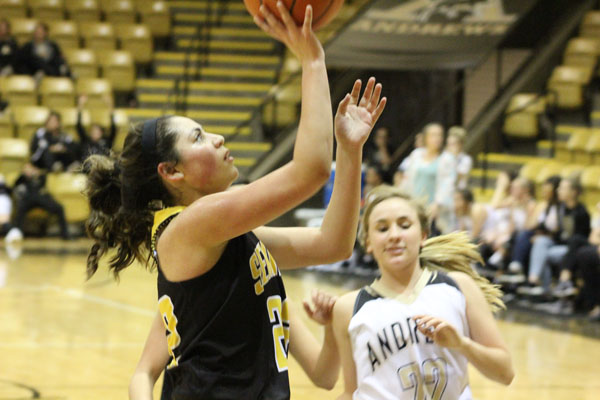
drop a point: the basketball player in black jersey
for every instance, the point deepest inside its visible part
(220, 294)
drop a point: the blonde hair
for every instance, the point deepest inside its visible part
(451, 252)
(458, 132)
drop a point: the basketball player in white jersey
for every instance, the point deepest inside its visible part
(411, 334)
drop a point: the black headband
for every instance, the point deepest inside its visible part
(149, 137)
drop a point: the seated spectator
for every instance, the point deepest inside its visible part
(587, 260)
(468, 215)
(510, 210)
(30, 192)
(547, 251)
(464, 162)
(42, 56)
(430, 177)
(52, 149)
(5, 207)
(8, 49)
(570, 268)
(97, 142)
(379, 151)
(546, 224)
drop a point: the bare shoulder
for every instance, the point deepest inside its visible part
(464, 281)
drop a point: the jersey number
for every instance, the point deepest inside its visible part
(278, 315)
(165, 307)
(428, 382)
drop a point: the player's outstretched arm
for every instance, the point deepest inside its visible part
(334, 240)
(321, 362)
(152, 362)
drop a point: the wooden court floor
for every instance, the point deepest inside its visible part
(65, 338)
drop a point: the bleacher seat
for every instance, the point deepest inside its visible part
(22, 29)
(576, 146)
(284, 109)
(82, 63)
(57, 92)
(96, 90)
(118, 67)
(567, 84)
(590, 26)
(20, 90)
(67, 188)
(65, 34)
(13, 8)
(522, 115)
(531, 169)
(47, 10)
(155, 15)
(83, 10)
(137, 40)
(99, 36)
(590, 181)
(68, 117)
(28, 119)
(7, 127)
(119, 11)
(570, 170)
(593, 147)
(122, 123)
(14, 153)
(581, 52)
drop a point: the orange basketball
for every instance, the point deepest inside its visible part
(323, 10)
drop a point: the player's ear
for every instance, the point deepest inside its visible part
(169, 172)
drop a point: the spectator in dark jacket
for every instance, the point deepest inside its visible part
(548, 251)
(96, 142)
(51, 148)
(30, 191)
(42, 56)
(8, 49)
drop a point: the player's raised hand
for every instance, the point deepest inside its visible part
(321, 310)
(355, 119)
(301, 41)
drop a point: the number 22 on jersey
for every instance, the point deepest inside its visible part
(278, 315)
(165, 307)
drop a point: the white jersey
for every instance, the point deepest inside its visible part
(396, 361)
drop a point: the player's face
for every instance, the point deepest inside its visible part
(204, 160)
(395, 235)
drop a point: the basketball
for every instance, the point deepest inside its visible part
(323, 10)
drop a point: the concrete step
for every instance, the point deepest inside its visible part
(217, 74)
(242, 33)
(202, 87)
(229, 20)
(219, 60)
(227, 46)
(229, 103)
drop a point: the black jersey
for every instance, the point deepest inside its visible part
(227, 330)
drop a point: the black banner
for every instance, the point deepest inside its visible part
(425, 34)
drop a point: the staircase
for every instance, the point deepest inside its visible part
(232, 67)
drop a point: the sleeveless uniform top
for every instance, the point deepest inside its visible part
(396, 361)
(227, 330)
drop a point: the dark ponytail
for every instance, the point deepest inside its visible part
(123, 193)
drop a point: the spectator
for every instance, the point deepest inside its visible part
(380, 151)
(8, 49)
(5, 207)
(570, 267)
(374, 176)
(30, 192)
(399, 174)
(464, 162)
(51, 148)
(573, 219)
(546, 224)
(96, 142)
(512, 204)
(430, 176)
(42, 56)
(588, 261)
